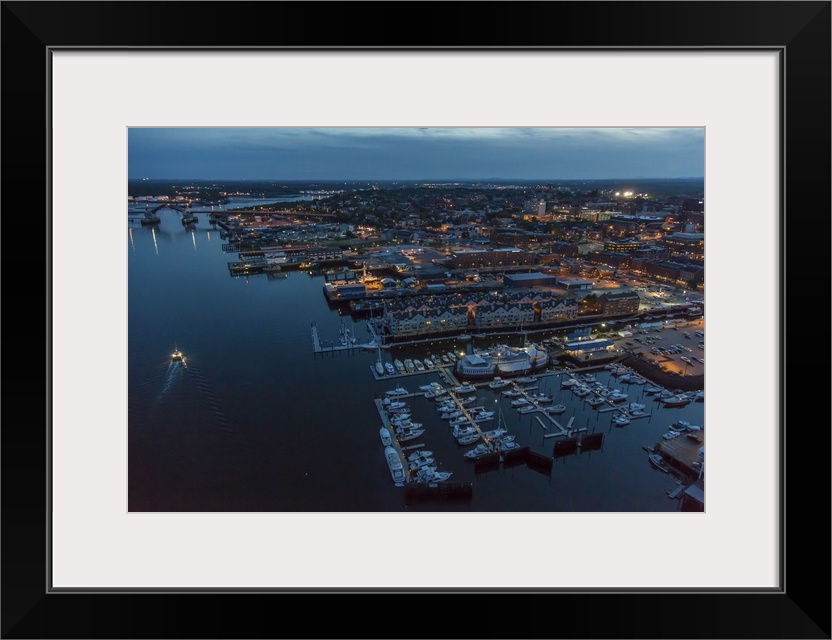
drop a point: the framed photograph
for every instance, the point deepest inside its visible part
(168, 390)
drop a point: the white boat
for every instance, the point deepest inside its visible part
(507, 445)
(582, 392)
(495, 433)
(407, 423)
(405, 435)
(482, 413)
(621, 421)
(464, 336)
(451, 356)
(421, 453)
(409, 367)
(650, 390)
(429, 363)
(512, 393)
(470, 439)
(635, 406)
(451, 415)
(617, 396)
(393, 405)
(398, 391)
(435, 393)
(657, 461)
(498, 383)
(458, 420)
(676, 401)
(529, 408)
(570, 382)
(430, 474)
(526, 380)
(389, 368)
(465, 388)
(420, 463)
(445, 359)
(420, 366)
(541, 398)
(520, 402)
(556, 409)
(461, 432)
(479, 451)
(394, 462)
(379, 368)
(386, 438)
(399, 365)
(430, 387)
(595, 401)
(480, 418)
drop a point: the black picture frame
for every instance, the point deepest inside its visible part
(799, 31)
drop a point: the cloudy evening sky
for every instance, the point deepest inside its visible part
(415, 153)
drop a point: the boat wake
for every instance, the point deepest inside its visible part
(211, 399)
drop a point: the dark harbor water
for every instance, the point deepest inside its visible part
(257, 422)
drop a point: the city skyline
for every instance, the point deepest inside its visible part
(415, 153)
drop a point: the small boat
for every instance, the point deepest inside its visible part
(671, 434)
(530, 408)
(507, 445)
(621, 421)
(429, 363)
(379, 368)
(445, 359)
(405, 435)
(498, 383)
(617, 396)
(406, 423)
(461, 432)
(676, 401)
(458, 420)
(421, 453)
(657, 461)
(650, 390)
(479, 451)
(520, 402)
(420, 366)
(399, 365)
(470, 439)
(541, 398)
(435, 393)
(386, 438)
(420, 463)
(430, 387)
(177, 356)
(409, 367)
(557, 409)
(430, 474)
(398, 391)
(465, 388)
(389, 368)
(464, 336)
(595, 401)
(635, 406)
(571, 382)
(392, 405)
(526, 380)
(394, 462)
(582, 392)
(495, 433)
(451, 356)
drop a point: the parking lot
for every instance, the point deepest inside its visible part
(671, 348)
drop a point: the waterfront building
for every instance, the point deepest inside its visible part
(533, 279)
(619, 303)
(492, 258)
